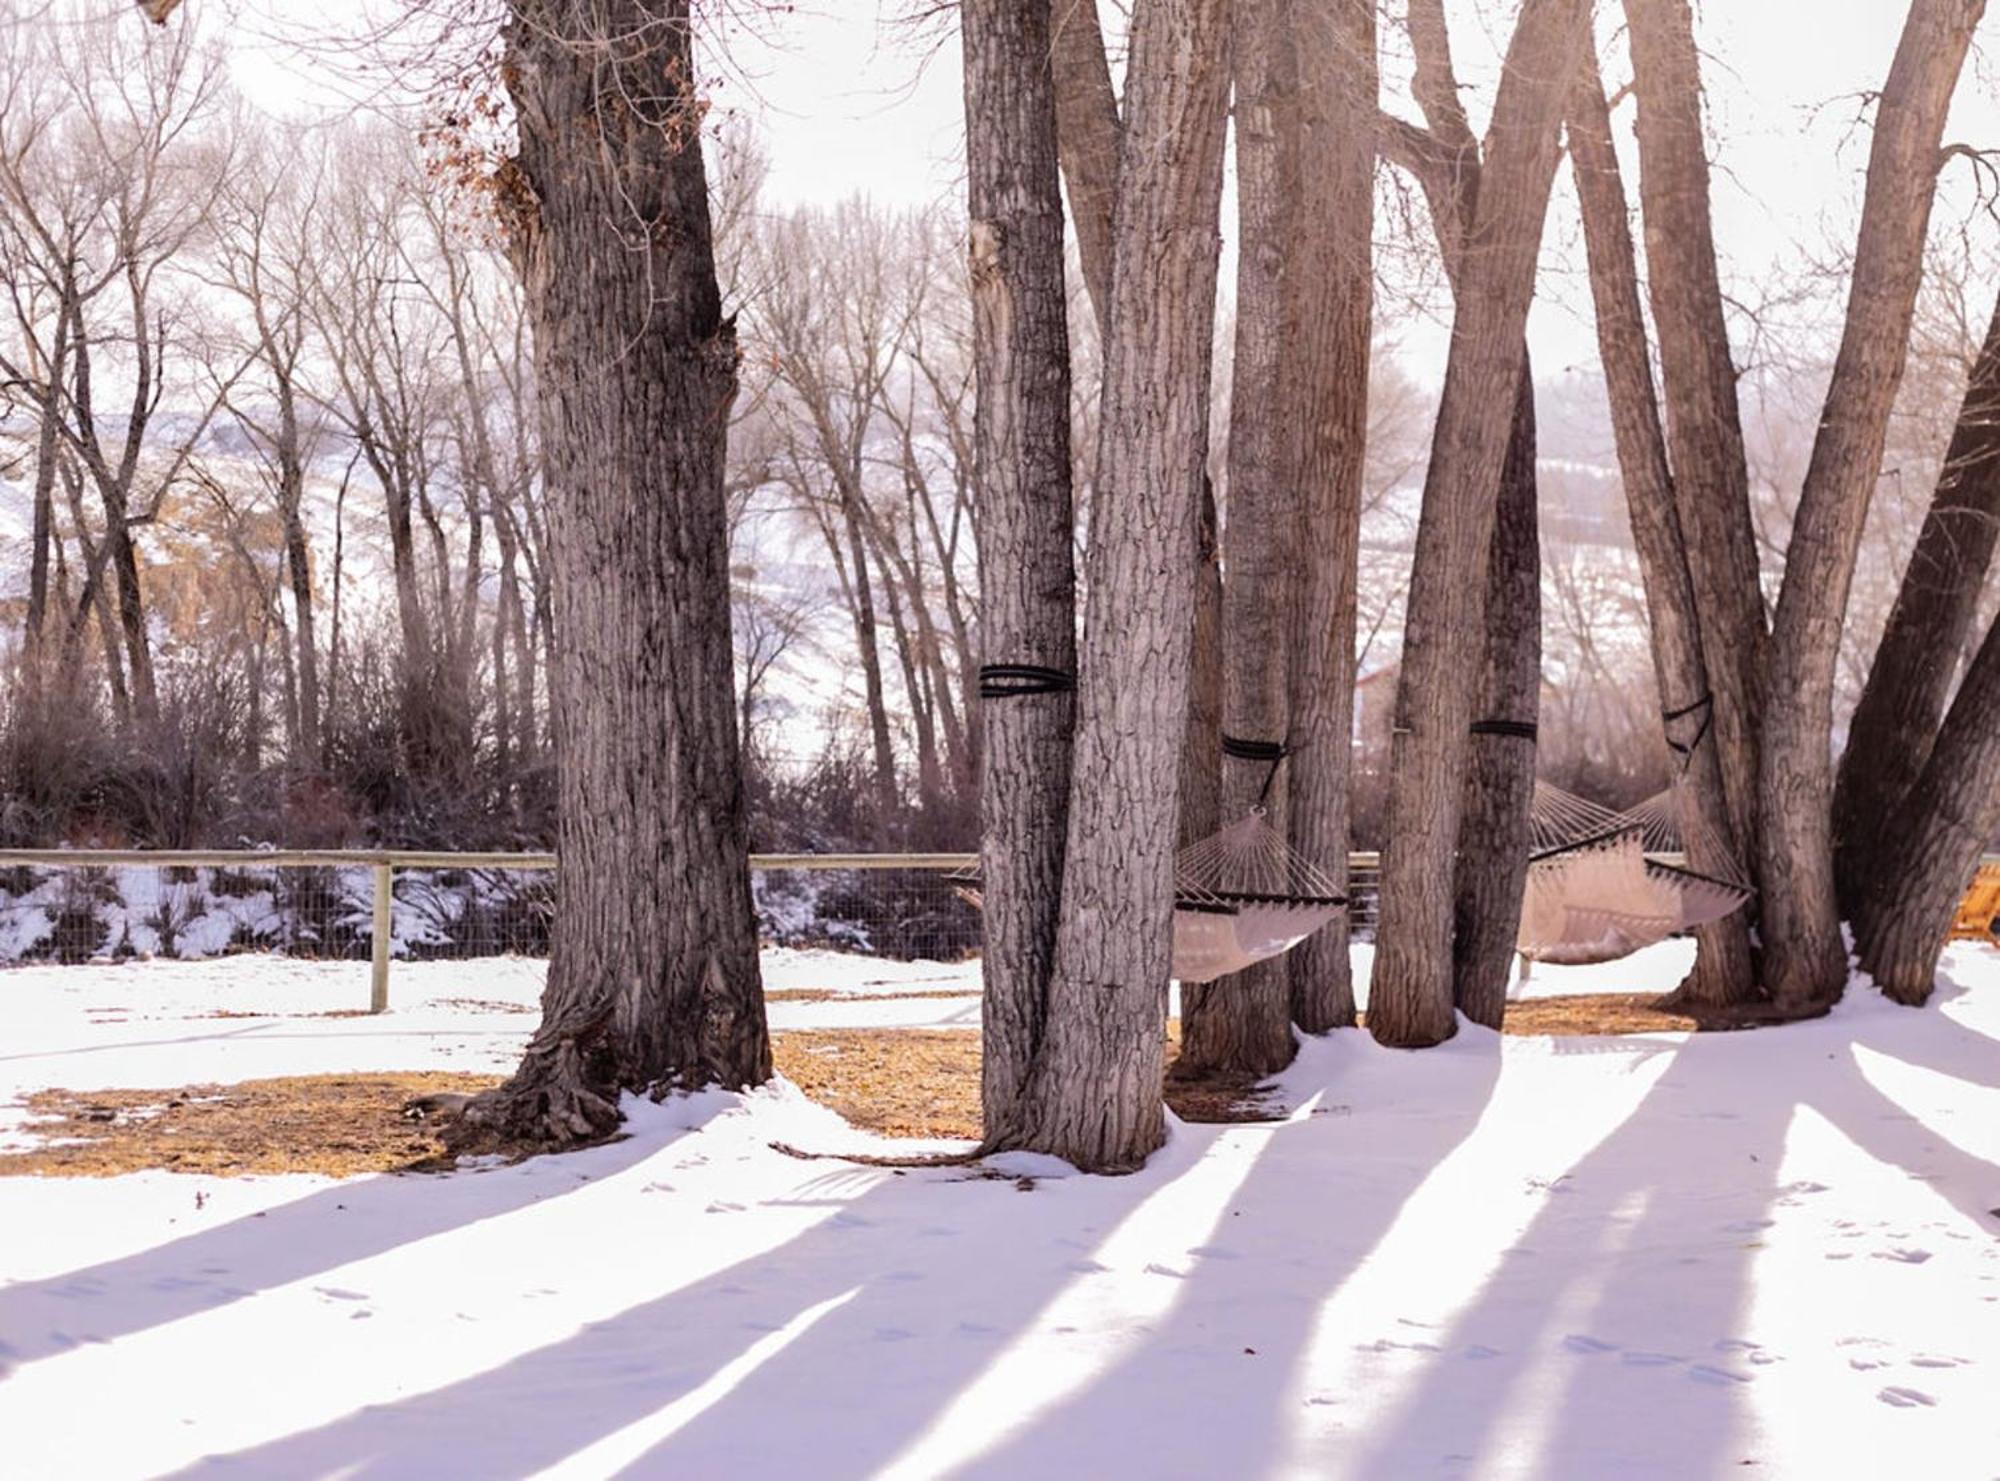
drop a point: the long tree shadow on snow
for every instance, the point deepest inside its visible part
(1636, 1357)
(1314, 1211)
(897, 1320)
(208, 1270)
(878, 1313)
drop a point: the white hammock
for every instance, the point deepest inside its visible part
(1594, 895)
(1241, 896)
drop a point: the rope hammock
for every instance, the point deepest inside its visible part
(1593, 895)
(1242, 896)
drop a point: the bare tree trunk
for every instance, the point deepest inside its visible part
(1494, 831)
(653, 980)
(1494, 836)
(1088, 133)
(1201, 741)
(298, 567)
(871, 670)
(1243, 1023)
(1928, 852)
(1094, 1093)
(1411, 995)
(1704, 431)
(48, 448)
(1331, 303)
(1805, 959)
(1027, 588)
(1889, 738)
(1724, 972)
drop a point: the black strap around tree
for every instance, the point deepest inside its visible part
(1706, 704)
(1014, 680)
(1275, 752)
(1518, 729)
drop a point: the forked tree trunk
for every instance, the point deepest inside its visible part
(1243, 1023)
(1027, 587)
(1704, 430)
(1723, 972)
(1889, 738)
(1929, 850)
(1805, 959)
(1494, 835)
(1494, 831)
(653, 977)
(1095, 1090)
(1089, 136)
(1331, 299)
(1411, 992)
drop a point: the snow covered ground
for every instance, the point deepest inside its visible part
(1665, 1255)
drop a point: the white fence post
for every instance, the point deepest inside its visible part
(385, 899)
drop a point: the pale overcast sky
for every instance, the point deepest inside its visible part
(851, 101)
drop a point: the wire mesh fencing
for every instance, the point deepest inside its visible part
(82, 906)
(74, 907)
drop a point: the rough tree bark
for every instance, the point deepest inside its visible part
(1889, 738)
(1411, 996)
(1930, 851)
(1805, 959)
(1704, 430)
(1243, 1023)
(653, 978)
(1724, 972)
(1095, 1088)
(1331, 297)
(1027, 588)
(1494, 832)
(1088, 134)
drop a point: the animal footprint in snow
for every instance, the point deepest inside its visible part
(1156, 1268)
(1577, 1342)
(1904, 1256)
(335, 1293)
(1215, 1252)
(1937, 1360)
(1479, 1351)
(1649, 1359)
(1708, 1373)
(721, 1207)
(1906, 1398)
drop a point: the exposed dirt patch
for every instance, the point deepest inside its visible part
(1639, 1013)
(1599, 1013)
(339, 1125)
(827, 995)
(898, 1082)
